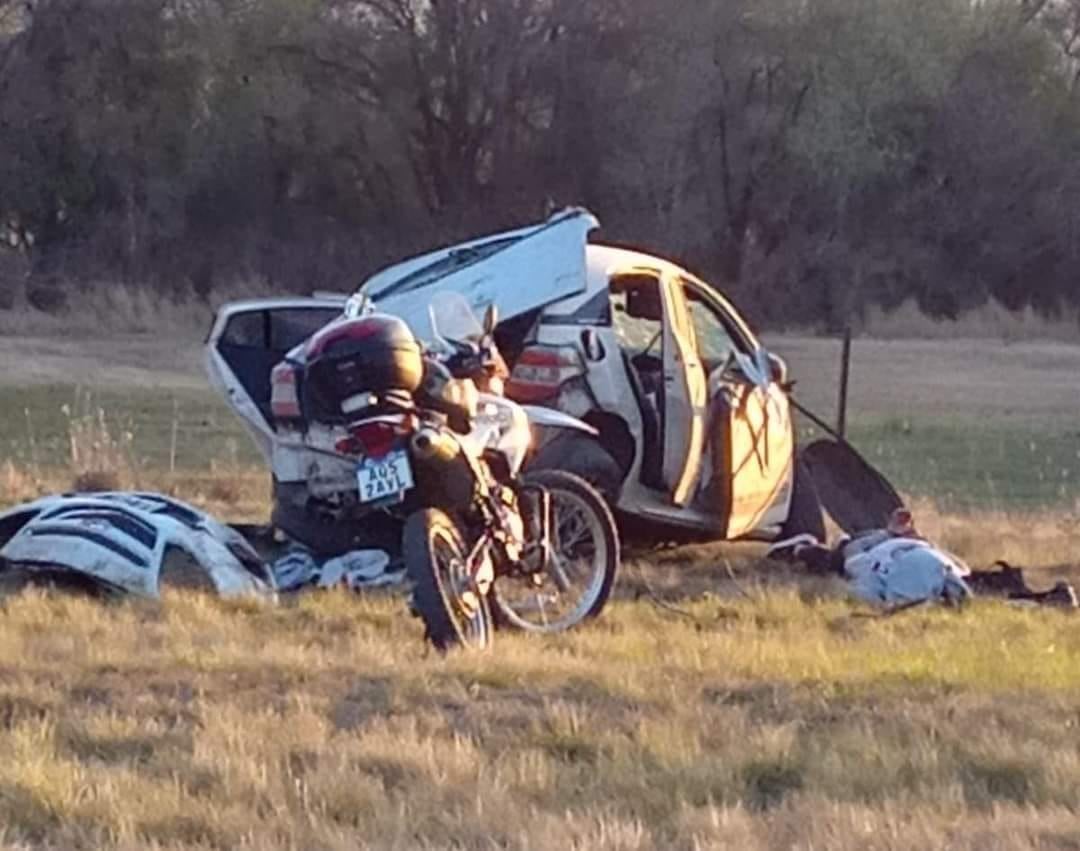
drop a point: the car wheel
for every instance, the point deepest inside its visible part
(585, 457)
(805, 515)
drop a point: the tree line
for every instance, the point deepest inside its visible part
(810, 157)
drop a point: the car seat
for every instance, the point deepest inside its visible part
(651, 451)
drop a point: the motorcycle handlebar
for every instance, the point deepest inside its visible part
(478, 361)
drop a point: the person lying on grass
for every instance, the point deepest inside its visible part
(897, 567)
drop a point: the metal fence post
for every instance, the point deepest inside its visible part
(845, 372)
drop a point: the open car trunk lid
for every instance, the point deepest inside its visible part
(517, 271)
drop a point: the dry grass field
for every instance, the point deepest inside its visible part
(763, 711)
(773, 722)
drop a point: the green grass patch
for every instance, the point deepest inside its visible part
(995, 431)
(965, 463)
(192, 428)
(961, 463)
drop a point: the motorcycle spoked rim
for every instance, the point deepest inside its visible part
(592, 590)
(475, 631)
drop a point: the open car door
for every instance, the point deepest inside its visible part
(761, 453)
(752, 430)
(247, 340)
(685, 397)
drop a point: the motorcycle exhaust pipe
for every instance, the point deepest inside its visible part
(428, 444)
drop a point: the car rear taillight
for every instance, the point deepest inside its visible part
(541, 371)
(373, 438)
(284, 401)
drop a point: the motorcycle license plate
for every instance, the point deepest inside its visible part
(388, 477)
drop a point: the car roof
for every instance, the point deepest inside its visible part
(603, 260)
(318, 299)
(606, 259)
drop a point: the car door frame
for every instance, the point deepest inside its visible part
(223, 377)
(685, 395)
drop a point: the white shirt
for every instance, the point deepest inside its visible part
(887, 570)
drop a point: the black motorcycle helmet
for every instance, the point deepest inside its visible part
(368, 356)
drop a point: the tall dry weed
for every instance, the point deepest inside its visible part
(101, 455)
(17, 483)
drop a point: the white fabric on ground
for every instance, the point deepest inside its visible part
(887, 570)
(355, 570)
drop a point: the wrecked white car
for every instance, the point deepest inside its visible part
(126, 543)
(693, 427)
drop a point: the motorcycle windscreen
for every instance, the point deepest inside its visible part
(857, 496)
(518, 272)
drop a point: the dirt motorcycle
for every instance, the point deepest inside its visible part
(438, 452)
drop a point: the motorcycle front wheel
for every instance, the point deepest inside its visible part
(583, 564)
(444, 596)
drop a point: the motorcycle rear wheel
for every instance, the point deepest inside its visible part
(435, 562)
(585, 561)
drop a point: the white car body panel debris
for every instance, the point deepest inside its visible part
(121, 542)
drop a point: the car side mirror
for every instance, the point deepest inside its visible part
(491, 319)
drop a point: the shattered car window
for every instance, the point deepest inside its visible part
(714, 339)
(635, 333)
